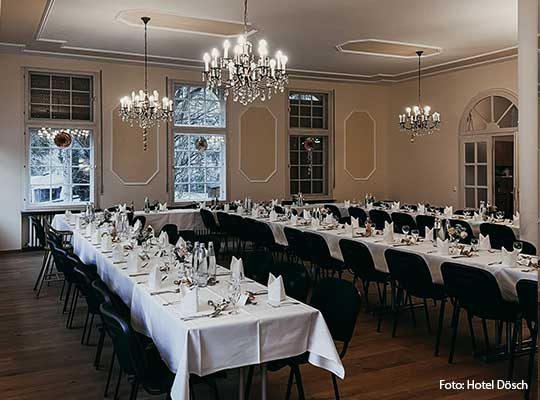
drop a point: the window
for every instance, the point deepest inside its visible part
(60, 106)
(476, 173)
(59, 176)
(60, 97)
(199, 173)
(308, 143)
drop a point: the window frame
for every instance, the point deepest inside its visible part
(328, 132)
(174, 130)
(32, 123)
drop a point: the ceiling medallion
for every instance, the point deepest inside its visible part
(417, 120)
(144, 109)
(240, 73)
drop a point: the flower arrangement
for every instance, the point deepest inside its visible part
(457, 232)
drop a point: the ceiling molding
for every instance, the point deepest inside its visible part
(341, 48)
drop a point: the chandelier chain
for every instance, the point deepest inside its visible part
(245, 16)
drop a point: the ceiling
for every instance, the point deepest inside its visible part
(308, 31)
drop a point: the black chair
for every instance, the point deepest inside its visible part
(412, 207)
(527, 248)
(66, 268)
(279, 209)
(464, 225)
(423, 221)
(257, 265)
(527, 291)
(499, 235)
(401, 219)
(339, 303)
(84, 286)
(172, 233)
(296, 280)
(143, 365)
(359, 260)
(264, 237)
(321, 257)
(471, 211)
(296, 245)
(358, 213)
(187, 235)
(379, 217)
(141, 218)
(336, 213)
(210, 222)
(46, 273)
(412, 276)
(478, 293)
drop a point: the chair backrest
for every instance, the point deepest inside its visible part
(499, 235)
(84, 283)
(60, 260)
(105, 295)
(263, 233)
(527, 248)
(257, 265)
(128, 348)
(401, 219)
(477, 291)
(379, 217)
(279, 209)
(423, 221)
(358, 258)
(412, 207)
(527, 291)
(339, 303)
(141, 218)
(295, 241)
(209, 220)
(187, 235)
(358, 213)
(317, 246)
(410, 271)
(334, 210)
(462, 212)
(295, 279)
(465, 225)
(172, 232)
(39, 229)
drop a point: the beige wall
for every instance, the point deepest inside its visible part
(121, 78)
(428, 170)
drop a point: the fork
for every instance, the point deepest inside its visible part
(165, 291)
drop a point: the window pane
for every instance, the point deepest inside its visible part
(481, 177)
(196, 106)
(311, 114)
(294, 187)
(40, 81)
(40, 111)
(318, 187)
(60, 112)
(181, 175)
(481, 152)
(469, 198)
(81, 193)
(469, 153)
(80, 175)
(305, 186)
(80, 99)
(469, 175)
(80, 157)
(39, 156)
(60, 97)
(83, 84)
(294, 172)
(40, 96)
(61, 82)
(482, 195)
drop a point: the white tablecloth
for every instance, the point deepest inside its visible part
(506, 277)
(344, 211)
(185, 219)
(260, 333)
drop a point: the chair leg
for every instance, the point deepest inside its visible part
(68, 293)
(74, 307)
(99, 349)
(249, 380)
(85, 326)
(399, 295)
(365, 286)
(299, 385)
(118, 384)
(90, 329)
(289, 384)
(62, 291)
(455, 323)
(440, 326)
(42, 269)
(110, 374)
(411, 309)
(513, 350)
(45, 272)
(427, 315)
(486, 336)
(471, 330)
(334, 383)
(134, 390)
(530, 370)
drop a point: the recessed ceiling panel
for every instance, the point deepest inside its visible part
(386, 48)
(181, 23)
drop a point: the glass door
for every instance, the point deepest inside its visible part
(504, 173)
(476, 178)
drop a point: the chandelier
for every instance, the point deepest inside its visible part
(51, 134)
(417, 120)
(243, 74)
(142, 108)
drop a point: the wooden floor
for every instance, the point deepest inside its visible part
(40, 359)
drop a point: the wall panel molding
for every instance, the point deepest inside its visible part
(360, 136)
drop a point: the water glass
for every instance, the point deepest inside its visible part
(474, 245)
(233, 293)
(415, 233)
(405, 229)
(518, 246)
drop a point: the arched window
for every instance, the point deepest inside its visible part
(488, 162)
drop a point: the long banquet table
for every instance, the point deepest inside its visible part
(258, 334)
(185, 219)
(507, 277)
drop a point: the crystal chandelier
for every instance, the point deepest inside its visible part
(51, 134)
(417, 120)
(144, 109)
(243, 74)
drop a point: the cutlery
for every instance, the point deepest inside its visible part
(432, 251)
(170, 303)
(284, 303)
(139, 274)
(165, 291)
(495, 262)
(119, 262)
(210, 315)
(260, 292)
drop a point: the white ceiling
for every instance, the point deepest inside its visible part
(306, 30)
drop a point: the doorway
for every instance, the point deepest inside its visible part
(503, 174)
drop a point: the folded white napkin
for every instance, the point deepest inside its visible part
(226, 207)
(106, 242)
(190, 301)
(294, 219)
(137, 226)
(117, 253)
(68, 215)
(254, 212)
(134, 262)
(96, 237)
(329, 219)
(163, 239)
(477, 217)
(448, 211)
(515, 219)
(273, 216)
(443, 246)
(315, 224)
(89, 229)
(154, 280)
(421, 209)
(122, 208)
(276, 290)
(369, 206)
(162, 206)
(202, 204)
(237, 268)
(347, 203)
(181, 243)
(396, 206)
(274, 202)
(240, 210)
(509, 258)
(355, 223)
(78, 222)
(428, 233)
(484, 243)
(388, 232)
(348, 230)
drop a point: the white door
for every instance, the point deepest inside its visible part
(476, 171)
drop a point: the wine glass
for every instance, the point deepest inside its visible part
(500, 215)
(474, 245)
(415, 233)
(233, 293)
(405, 229)
(518, 246)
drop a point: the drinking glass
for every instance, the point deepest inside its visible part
(415, 233)
(500, 215)
(233, 293)
(405, 229)
(518, 246)
(474, 245)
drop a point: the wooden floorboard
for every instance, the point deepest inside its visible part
(40, 359)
